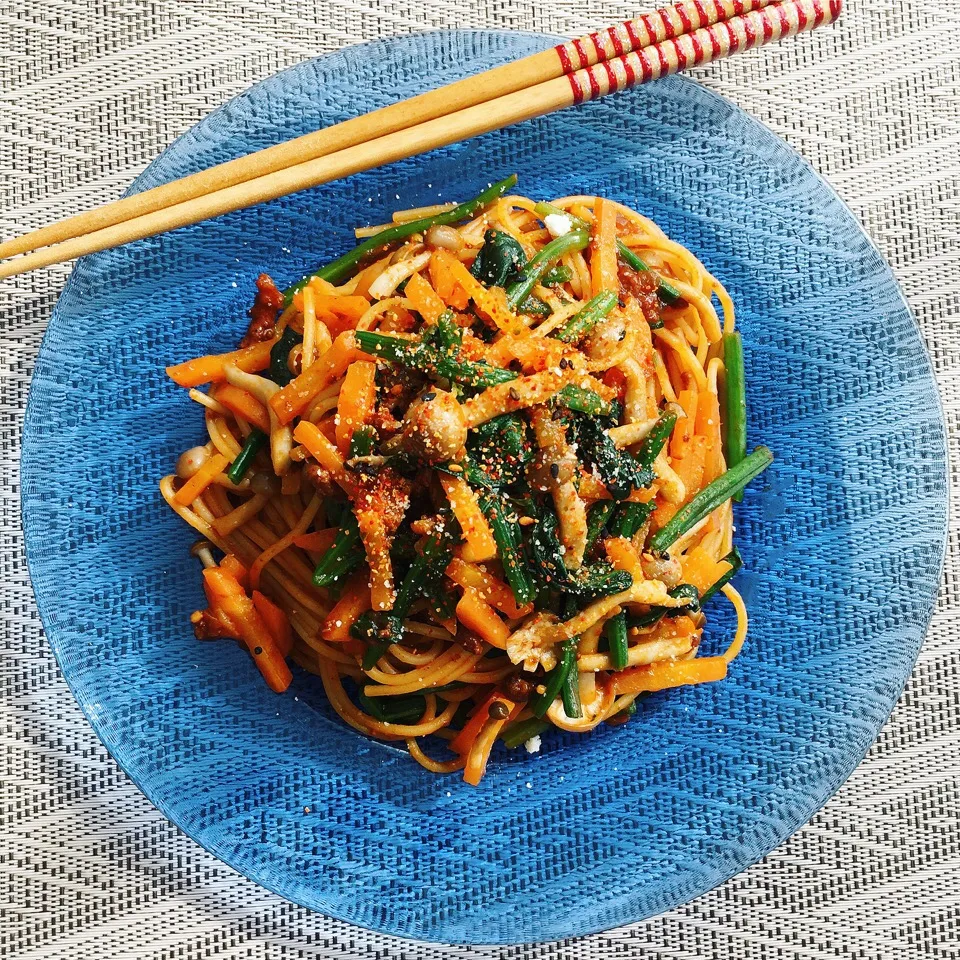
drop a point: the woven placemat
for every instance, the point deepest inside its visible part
(90, 91)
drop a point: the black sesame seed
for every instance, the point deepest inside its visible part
(514, 396)
(258, 650)
(554, 470)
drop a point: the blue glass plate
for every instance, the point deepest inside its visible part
(843, 537)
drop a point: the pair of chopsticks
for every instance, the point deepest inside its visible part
(687, 34)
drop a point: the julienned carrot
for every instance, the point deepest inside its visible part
(354, 601)
(477, 615)
(319, 447)
(669, 673)
(663, 513)
(445, 283)
(708, 425)
(480, 544)
(319, 541)
(239, 614)
(243, 404)
(534, 353)
(603, 260)
(690, 467)
(201, 479)
(276, 620)
(349, 307)
(356, 402)
(212, 368)
(479, 752)
(492, 589)
(623, 555)
(236, 570)
(299, 393)
(376, 546)
(700, 569)
(490, 300)
(424, 298)
(481, 713)
(684, 430)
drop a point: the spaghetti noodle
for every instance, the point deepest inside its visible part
(476, 474)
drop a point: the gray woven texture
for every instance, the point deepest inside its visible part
(89, 93)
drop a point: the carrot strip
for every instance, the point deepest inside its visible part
(341, 313)
(299, 393)
(684, 430)
(663, 514)
(356, 402)
(480, 544)
(347, 307)
(490, 300)
(490, 588)
(376, 546)
(534, 353)
(276, 620)
(603, 259)
(669, 673)
(708, 425)
(424, 298)
(226, 596)
(700, 569)
(354, 601)
(461, 742)
(243, 404)
(623, 556)
(320, 448)
(317, 542)
(236, 569)
(477, 615)
(479, 753)
(212, 368)
(690, 467)
(201, 479)
(445, 283)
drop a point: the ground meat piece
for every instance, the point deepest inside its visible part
(642, 286)
(385, 494)
(320, 478)
(263, 314)
(208, 627)
(384, 422)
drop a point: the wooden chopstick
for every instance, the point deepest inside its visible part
(775, 21)
(669, 22)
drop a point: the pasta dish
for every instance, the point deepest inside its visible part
(477, 474)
